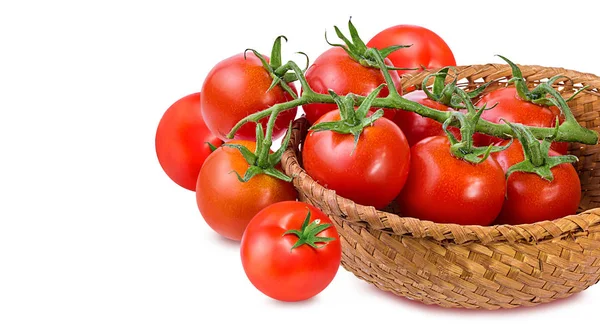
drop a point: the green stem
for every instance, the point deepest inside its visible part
(375, 54)
(263, 158)
(567, 132)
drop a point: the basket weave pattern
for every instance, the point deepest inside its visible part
(471, 266)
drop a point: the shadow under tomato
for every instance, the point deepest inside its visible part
(565, 303)
(225, 242)
(295, 304)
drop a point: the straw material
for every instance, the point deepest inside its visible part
(471, 266)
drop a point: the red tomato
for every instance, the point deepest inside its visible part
(530, 198)
(445, 189)
(237, 87)
(428, 49)
(373, 173)
(336, 70)
(181, 141)
(226, 204)
(275, 266)
(513, 109)
(417, 127)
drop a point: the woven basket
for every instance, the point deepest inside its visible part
(471, 266)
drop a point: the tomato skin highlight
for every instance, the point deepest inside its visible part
(416, 127)
(445, 189)
(511, 107)
(428, 49)
(181, 141)
(336, 70)
(373, 174)
(226, 204)
(237, 87)
(530, 198)
(277, 270)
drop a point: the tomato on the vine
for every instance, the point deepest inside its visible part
(417, 127)
(182, 141)
(368, 165)
(290, 251)
(226, 203)
(237, 87)
(510, 107)
(336, 70)
(427, 48)
(445, 189)
(531, 198)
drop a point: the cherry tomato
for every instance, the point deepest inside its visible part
(237, 87)
(417, 127)
(514, 109)
(181, 141)
(530, 198)
(277, 268)
(336, 70)
(428, 49)
(444, 189)
(373, 173)
(226, 204)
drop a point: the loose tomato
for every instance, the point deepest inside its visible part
(181, 141)
(237, 87)
(530, 198)
(336, 70)
(428, 49)
(416, 127)
(444, 189)
(275, 263)
(226, 203)
(511, 107)
(372, 173)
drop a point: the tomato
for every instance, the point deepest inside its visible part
(417, 127)
(373, 173)
(277, 268)
(336, 70)
(181, 141)
(226, 204)
(514, 109)
(428, 49)
(237, 87)
(530, 198)
(445, 189)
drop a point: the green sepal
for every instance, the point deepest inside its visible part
(276, 52)
(356, 48)
(351, 121)
(262, 161)
(463, 148)
(250, 172)
(537, 159)
(308, 233)
(539, 94)
(275, 158)
(262, 59)
(385, 52)
(273, 172)
(211, 146)
(446, 94)
(248, 155)
(279, 73)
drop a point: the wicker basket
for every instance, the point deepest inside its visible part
(471, 266)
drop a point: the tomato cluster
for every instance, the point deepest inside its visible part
(367, 141)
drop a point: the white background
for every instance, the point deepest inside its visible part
(91, 229)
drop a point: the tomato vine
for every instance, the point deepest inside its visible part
(569, 131)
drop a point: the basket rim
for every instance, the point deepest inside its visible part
(367, 216)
